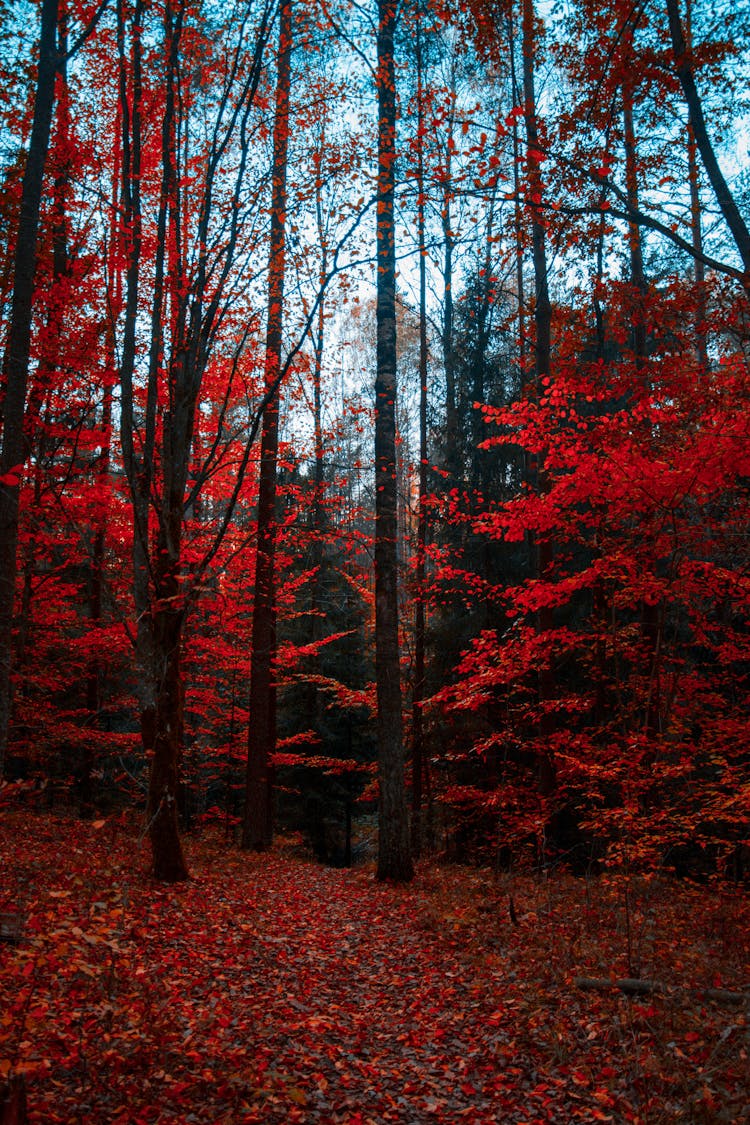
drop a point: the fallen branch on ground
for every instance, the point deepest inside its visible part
(633, 986)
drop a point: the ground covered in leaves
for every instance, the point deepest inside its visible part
(272, 990)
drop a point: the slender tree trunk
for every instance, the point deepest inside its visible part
(452, 461)
(317, 555)
(517, 209)
(167, 602)
(420, 610)
(701, 343)
(724, 197)
(650, 611)
(637, 272)
(599, 322)
(600, 602)
(394, 858)
(137, 456)
(96, 585)
(37, 414)
(114, 304)
(157, 587)
(701, 346)
(16, 365)
(318, 511)
(542, 358)
(542, 306)
(257, 828)
(162, 811)
(479, 460)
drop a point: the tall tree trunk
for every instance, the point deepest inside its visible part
(517, 209)
(257, 828)
(418, 758)
(701, 343)
(157, 588)
(96, 583)
(724, 197)
(167, 603)
(394, 857)
(137, 455)
(451, 458)
(317, 613)
(637, 272)
(600, 602)
(542, 357)
(162, 812)
(114, 305)
(37, 413)
(187, 304)
(650, 611)
(479, 460)
(16, 365)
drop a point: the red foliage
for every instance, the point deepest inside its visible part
(641, 618)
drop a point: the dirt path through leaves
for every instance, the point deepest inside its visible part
(317, 996)
(270, 990)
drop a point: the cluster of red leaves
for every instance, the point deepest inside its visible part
(272, 990)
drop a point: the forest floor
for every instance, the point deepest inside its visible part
(272, 990)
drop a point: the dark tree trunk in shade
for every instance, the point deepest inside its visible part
(18, 350)
(418, 757)
(517, 206)
(394, 856)
(724, 197)
(451, 454)
(650, 611)
(164, 772)
(542, 353)
(257, 828)
(696, 227)
(168, 598)
(38, 407)
(188, 299)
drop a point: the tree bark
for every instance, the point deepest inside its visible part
(37, 410)
(394, 857)
(14, 1106)
(19, 349)
(169, 865)
(633, 986)
(167, 603)
(724, 197)
(257, 828)
(137, 455)
(635, 246)
(696, 228)
(420, 613)
(542, 357)
(190, 295)
(517, 214)
(318, 556)
(451, 456)
(650, 612)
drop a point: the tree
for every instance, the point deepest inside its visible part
(724, 197)
(18, 349)
(200, 236)
(257, 829)
(394, 858)
(418, 754)
(541, 544)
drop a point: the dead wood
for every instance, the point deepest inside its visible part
(634, 987)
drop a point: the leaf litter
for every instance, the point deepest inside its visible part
(269, 989)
